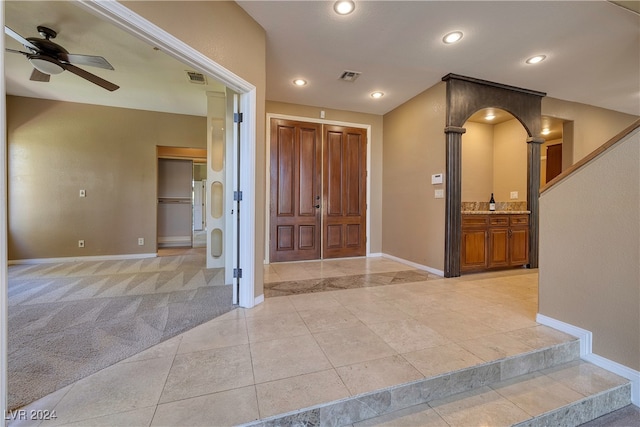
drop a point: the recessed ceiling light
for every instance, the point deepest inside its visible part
(546, 131)
(490, 116)
(377, 95)
(299, 82)
(344, 7)
(452, 37)
(536, 59)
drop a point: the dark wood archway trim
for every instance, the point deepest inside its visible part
(465, 96)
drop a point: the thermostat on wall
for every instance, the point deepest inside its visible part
(436, 178)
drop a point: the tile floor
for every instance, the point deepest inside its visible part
(301, 350)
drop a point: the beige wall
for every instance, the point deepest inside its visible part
(375, 121)
(224, 32)
(494, 160)
(57, 148)
(414, 149)
(592, 127)
(590, 252)
(510, 161)
(477, 162)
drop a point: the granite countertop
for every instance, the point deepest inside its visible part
(495, 212)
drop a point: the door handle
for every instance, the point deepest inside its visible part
(317, 206)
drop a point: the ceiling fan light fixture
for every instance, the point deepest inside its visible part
(45, 65)
(344, 7)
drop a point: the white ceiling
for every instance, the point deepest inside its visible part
(592, 48)
(148, 79)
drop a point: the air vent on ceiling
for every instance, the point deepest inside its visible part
(196, 78)
(350, 76)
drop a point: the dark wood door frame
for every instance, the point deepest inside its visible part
(324, 124)
(465, 96)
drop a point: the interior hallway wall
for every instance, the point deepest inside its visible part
(414, 148)
(592, 126)
(55, 149)
(375, 173)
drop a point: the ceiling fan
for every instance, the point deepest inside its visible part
(50, 58)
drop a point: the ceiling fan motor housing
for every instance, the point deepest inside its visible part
(46, 32)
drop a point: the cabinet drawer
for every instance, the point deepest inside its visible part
(499, 220)
(474, 221)
(519, 219)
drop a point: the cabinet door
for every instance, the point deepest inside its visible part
(474, 250)
(498, 247)
(519, 246)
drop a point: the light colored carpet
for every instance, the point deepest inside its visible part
(69, 320)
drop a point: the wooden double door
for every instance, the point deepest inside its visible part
(318, 191)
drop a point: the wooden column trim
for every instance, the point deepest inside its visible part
(453, 205)
(533, 198)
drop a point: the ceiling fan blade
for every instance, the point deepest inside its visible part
(16, 51)
(39, 76)
(93, 61)
(91, 77)
(8, 31)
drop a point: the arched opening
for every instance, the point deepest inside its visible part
(494, 160)
(465, 96)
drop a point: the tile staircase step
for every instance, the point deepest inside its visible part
(547, 387)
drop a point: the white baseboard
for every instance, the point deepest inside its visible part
(583, 334)
(174, 241)
(374, 255)
(414, 265)
(586, 340)
(81, 258)
(258, 300)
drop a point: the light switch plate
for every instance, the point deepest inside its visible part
(439, 194)
(514, 195)
(83, 193)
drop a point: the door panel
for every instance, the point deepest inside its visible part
(554, 161)
(498, 247)
(295, 190)
(473, 249)
(519, 246)
(344, 192)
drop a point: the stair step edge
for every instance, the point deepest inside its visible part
(584, 410)
(390, 399)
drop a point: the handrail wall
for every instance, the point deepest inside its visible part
(589, 157)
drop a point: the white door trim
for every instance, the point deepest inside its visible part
(4, 286)
(268, 172)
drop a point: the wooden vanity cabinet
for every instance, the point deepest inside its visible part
(494, 241)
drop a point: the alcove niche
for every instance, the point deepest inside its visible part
(465, 96)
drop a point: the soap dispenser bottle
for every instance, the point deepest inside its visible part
(492, 203)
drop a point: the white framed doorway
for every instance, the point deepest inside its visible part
(122, 17)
